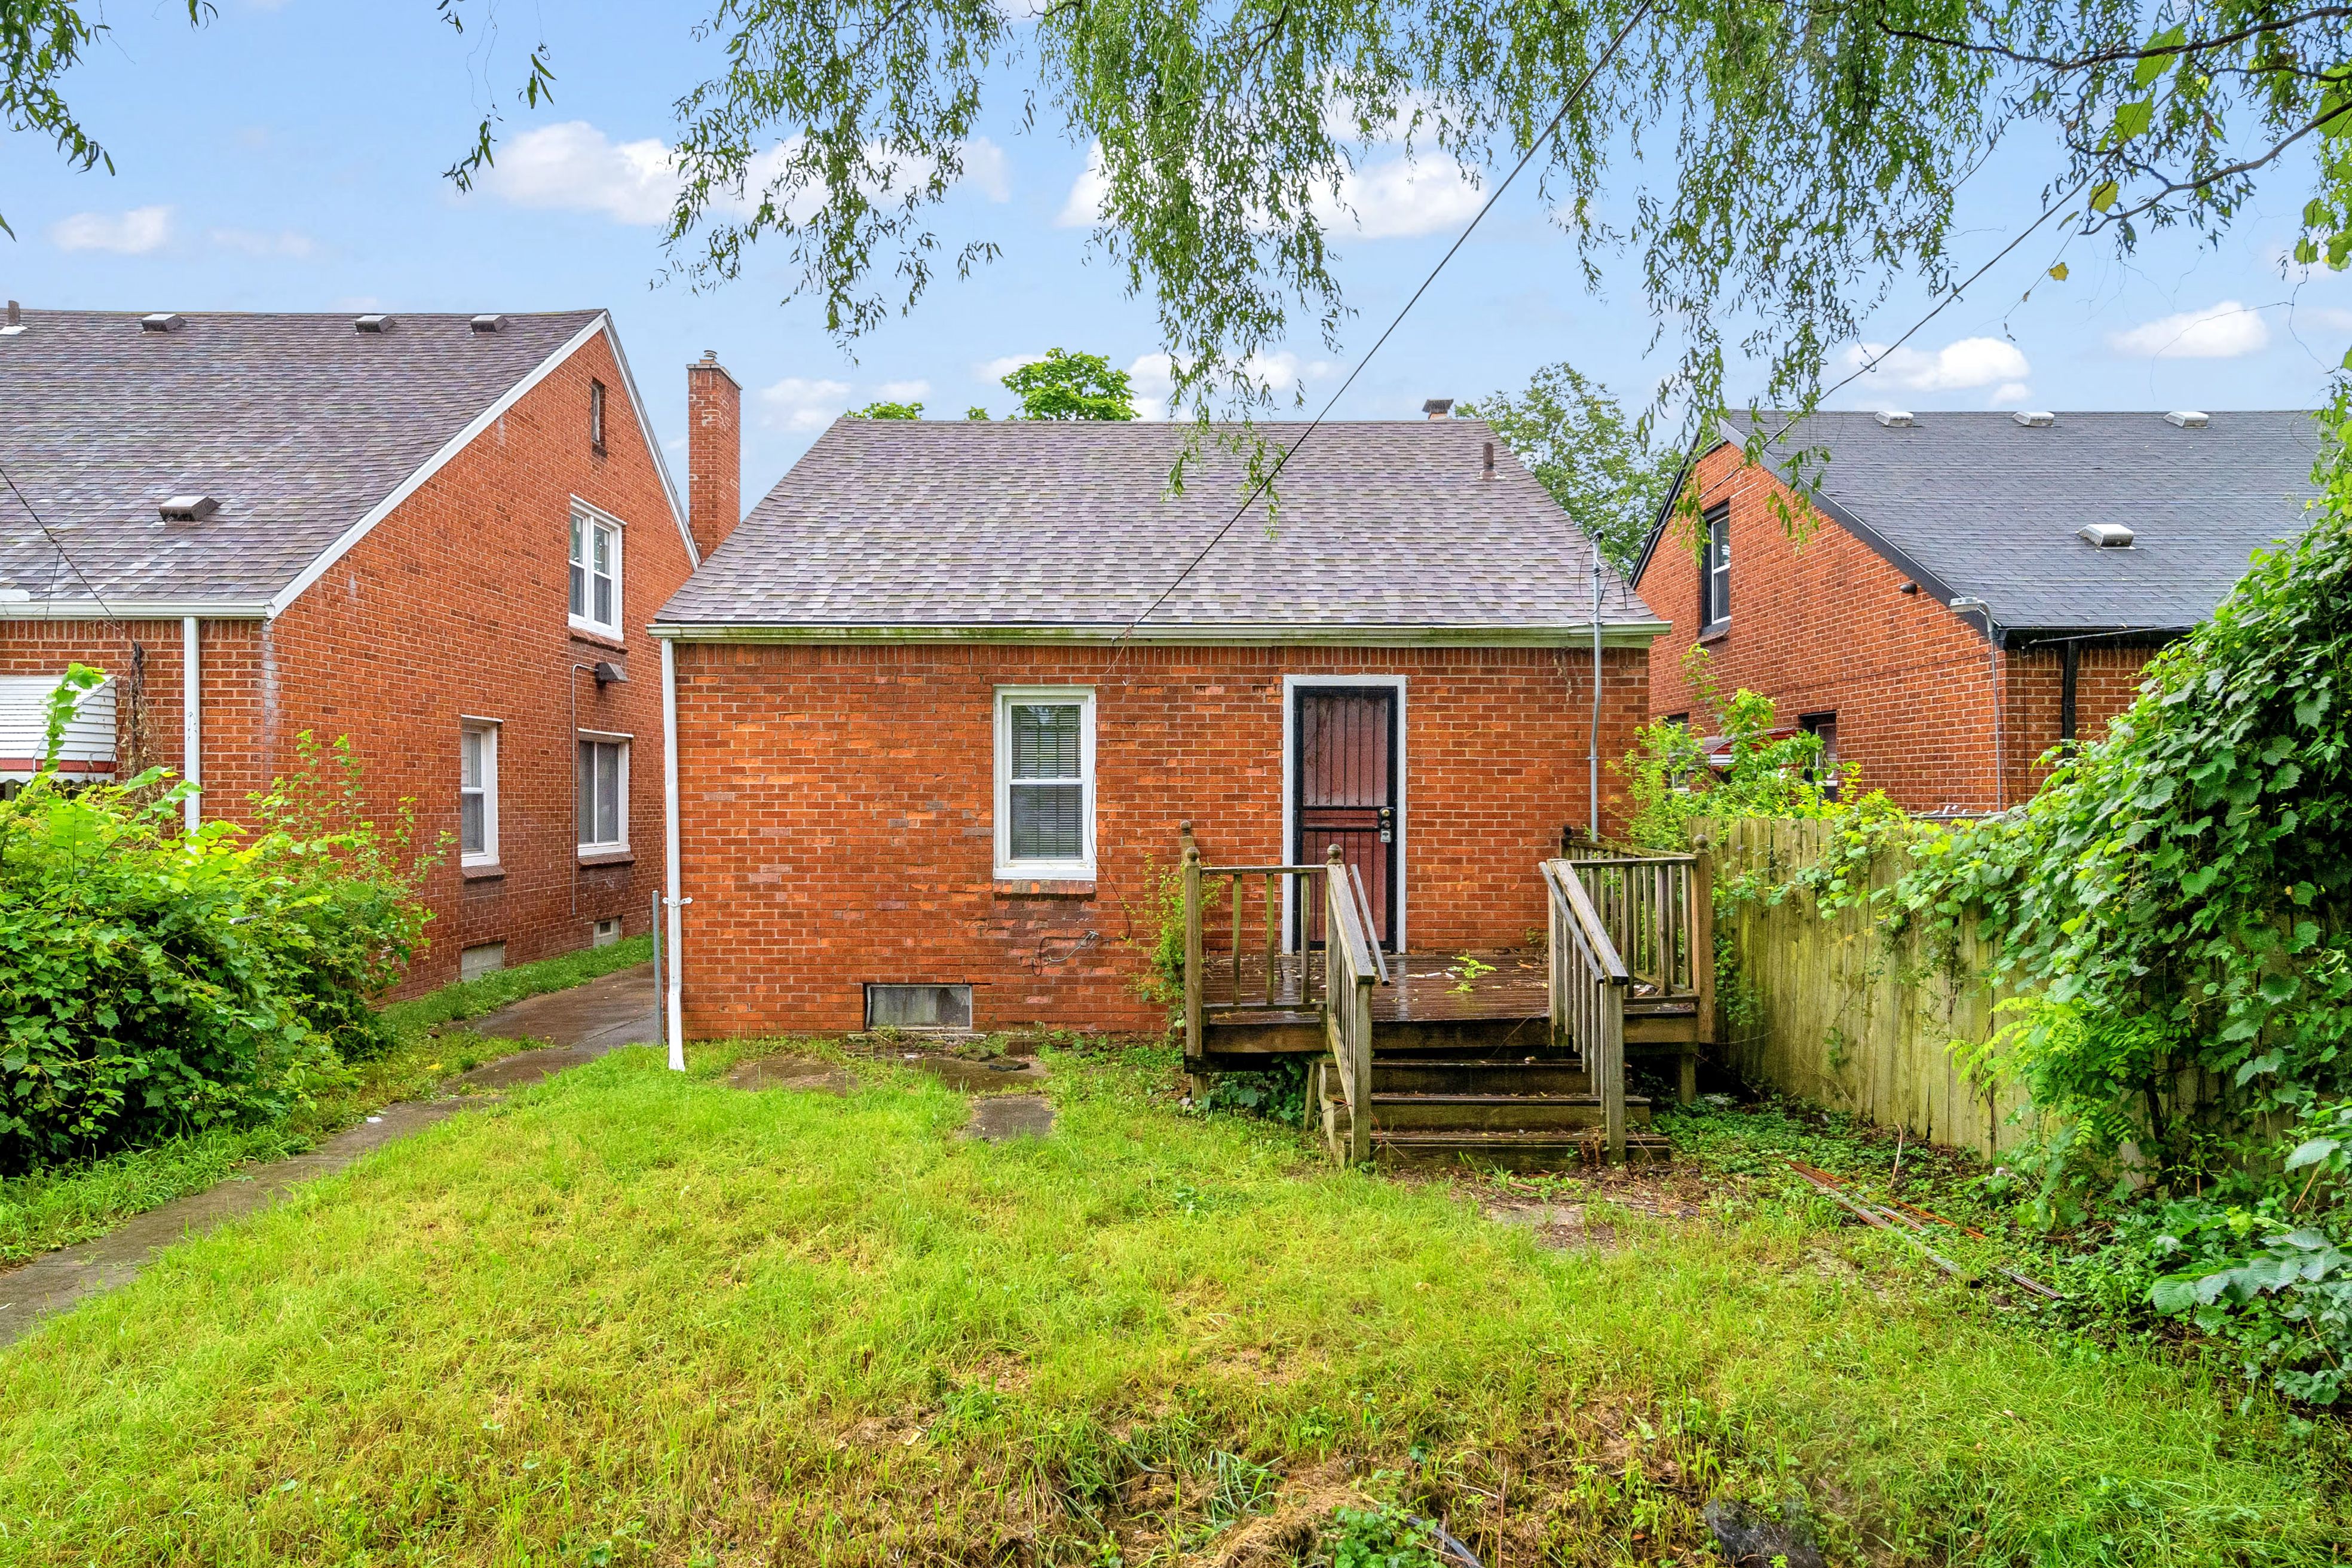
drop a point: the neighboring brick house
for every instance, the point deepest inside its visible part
(2082, 543)
(437, 535)
(937, 726)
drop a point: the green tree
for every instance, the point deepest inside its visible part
(1597, 463)
(40, 40)
(1066, 385)
(1792, 160)
(888, 411)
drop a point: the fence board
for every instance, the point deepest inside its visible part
(1844, 1013)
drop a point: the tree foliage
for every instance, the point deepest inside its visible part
(1768, 168)
(1066, 385)
(885, 410)
(1599, 465)
(153, 981)
(40, 41)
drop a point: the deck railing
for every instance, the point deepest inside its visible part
(1204, 885)
(1658, 914)
(1352, 965)
(1588, 983)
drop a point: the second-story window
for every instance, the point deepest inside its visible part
(596, 418)
(596, 573)
(1716, 583)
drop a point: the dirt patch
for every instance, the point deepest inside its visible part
(1285, 1532)
(805, 1073)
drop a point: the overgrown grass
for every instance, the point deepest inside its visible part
(56, 1207)
(637, 1317)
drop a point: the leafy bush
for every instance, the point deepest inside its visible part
(155, 983)
(1669, 780)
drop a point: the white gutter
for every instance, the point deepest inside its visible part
(675, 1003)
(1621, 634)
(18, 605)
(191, 708)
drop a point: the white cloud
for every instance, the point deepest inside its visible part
(794, 404)
(285, 244)
(1397, 197)
(903, 391)
(1954, 367)
(1153, 378)
(2010, 394)
(996, 370)
(1383, 198)
(2224, 330)
(574, 167)
(133, 233)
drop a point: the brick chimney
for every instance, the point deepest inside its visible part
(714, 452)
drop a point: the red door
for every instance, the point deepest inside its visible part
(1346, 776)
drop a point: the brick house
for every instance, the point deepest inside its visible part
(943, 701)
(437, 535)
(1964, 590)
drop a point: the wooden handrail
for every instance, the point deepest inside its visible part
(1348, 977)
(1280, 885)
(1364, 911)
(1587, 982)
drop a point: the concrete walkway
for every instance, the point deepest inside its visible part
(578, 1025)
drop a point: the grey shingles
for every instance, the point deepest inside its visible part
(1989, 507)
(1384, 526)
(296, 424)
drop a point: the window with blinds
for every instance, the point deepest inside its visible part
(477, 792)
(1045, 782)
(604, 785)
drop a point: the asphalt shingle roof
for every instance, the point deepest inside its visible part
(298, 424)
(1988, 507)
(1068, 526)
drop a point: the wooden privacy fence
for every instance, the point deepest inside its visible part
(1845, 1011)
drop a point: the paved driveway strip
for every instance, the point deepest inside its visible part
(578, 1025)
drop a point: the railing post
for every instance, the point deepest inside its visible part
(1273, 932)
(1193, 987)
(1359, 1139)
(1703, 939)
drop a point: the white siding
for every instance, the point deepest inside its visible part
(89, 748)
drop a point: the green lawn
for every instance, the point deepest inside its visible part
(47, 1210)
(637, 1317)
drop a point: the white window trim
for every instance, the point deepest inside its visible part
(593, 516)
(1008, 869)
(1292, 685)
(1717, 577)
(628, 745)
(488, 729)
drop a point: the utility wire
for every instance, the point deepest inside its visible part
(1534, 146)
(59, 546)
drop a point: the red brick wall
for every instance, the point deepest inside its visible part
(837, 810)
(2107, 680)
(455, 604)
(1821, 624)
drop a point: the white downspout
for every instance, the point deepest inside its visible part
(1592, 751)
(675, 1003)
(192, 744)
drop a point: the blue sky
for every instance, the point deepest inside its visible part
(288, 156)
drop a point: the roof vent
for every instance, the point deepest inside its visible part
(2035, 419)
(2107, 535)
(188, 508)
(378, 324)
(15, 320)
(1896, 418)
(1438, 407)
(160, 322)
(489, 323)
(2188, 419)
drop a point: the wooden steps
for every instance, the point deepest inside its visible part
(1484, 1112)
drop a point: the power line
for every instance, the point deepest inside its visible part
(1534, 146)
(59, 546)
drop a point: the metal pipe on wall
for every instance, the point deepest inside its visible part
(1593, 753)
(191, 745)
(674, 1002)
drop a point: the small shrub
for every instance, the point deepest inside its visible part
(154, 982)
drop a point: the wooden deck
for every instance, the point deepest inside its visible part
(1425, 988)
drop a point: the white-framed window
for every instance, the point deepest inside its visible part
(477, 791)
(1045, 782)
(604, 793)
(595, 571)
(1719, 566)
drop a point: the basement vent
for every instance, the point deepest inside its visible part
(188, 508)
(2107, 535)
(918, 1006)
(2035, 419)
(160, 322)
(482, 958)
(1896, 418)
(489, 323)
(375, 323)
(2188, 419)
